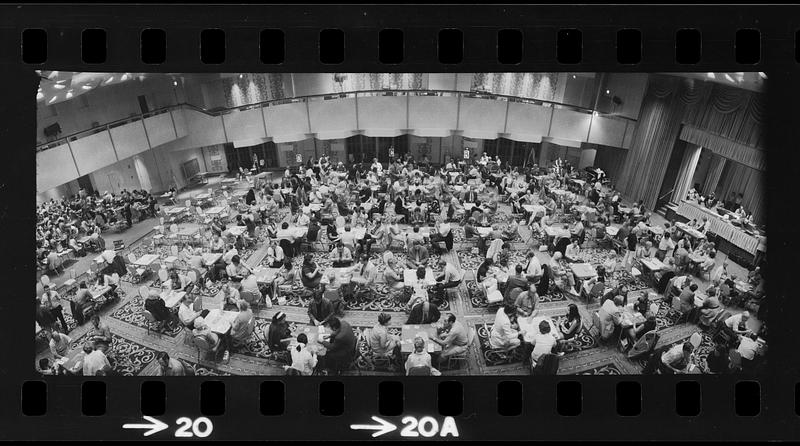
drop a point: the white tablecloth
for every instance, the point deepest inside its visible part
(719, 226)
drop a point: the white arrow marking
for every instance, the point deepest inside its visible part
(154, 426)
(384, 427)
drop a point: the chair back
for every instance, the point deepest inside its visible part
(512, 295)
(676, 303)
(192, 276)
(131, 257)
(144, 291)
(202, 343)
(248, 297)
(419, 371)
(115, 279)
(471, 336)
(148, 316)
(46, 279)
(163, 275)
(696, 339)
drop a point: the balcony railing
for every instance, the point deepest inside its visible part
(218, 111)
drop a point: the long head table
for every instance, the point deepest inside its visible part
(719, 226)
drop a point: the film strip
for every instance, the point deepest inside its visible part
(517, 81)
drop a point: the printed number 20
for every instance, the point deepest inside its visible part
(428, 427)
(200, 427)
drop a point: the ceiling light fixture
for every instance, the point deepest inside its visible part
(175, 83)
(69, 94)
(52, 74)
(86, 87)
(52, 100)
(109, 80)
(124, 77)
(241, 76)
(762, 74)
(59, 86)
(574, 77)
(608, 91)
(712, 75)
(39, 95)
(729, 78)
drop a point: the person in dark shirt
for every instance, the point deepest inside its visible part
(278, 334)
(320, 309)
(341, 347)
(718, 361)
(250, 199)
(313, 230)
(156, 306)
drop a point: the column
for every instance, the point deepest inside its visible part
(714, 173)
(688, 165)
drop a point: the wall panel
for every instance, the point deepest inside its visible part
(130, 139)
(54, 167)
(159, 129)
(481, 118)
(242, 125)
(569, 124)
(527, 122)
(93, 152)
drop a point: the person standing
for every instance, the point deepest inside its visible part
(51, 302)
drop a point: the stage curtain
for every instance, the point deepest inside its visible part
(714, 173)
(749, 156)
(734, 114)
(739, 178)
(611, 160)
(663, 110)
(688, 165)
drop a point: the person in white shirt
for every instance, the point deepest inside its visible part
(275, 255)
(572, 251)
(303, 360)
(186, 313)
(748, 349)
(59, 344)
(504, 334)
(451, 276)
(738, 323)
(543, 342)
(376, 165)
(533, 270)
(420, 358)
(720, 272)
(94, 361)
(348, 238)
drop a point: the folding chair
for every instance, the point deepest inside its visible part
(152, 322)
(202, 345)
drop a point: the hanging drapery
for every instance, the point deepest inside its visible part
(747, 155)
(688, 165)
(749, 182)
(611, 160)
(653, 140)
(714, 173)
(732, 113)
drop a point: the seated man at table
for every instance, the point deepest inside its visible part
(564, 277)
(505, 334)
(94, 360)
(543, 342)
(341, 345)
(451, 276)
(348, 238)
(169, 366)
(364, 273)
(687, 299)
(320, 309)
(453, 339)
(571, 252)
(275, 255)
(533, 267)
(237, 271)
(341, 256)
(415, 236)
(610, 315)
(202, 330)
(526, 301)
(710, 309)
(156, 306)
(186, 313)
(676, 359)
(59, 344)
(83, 299)
(99, 333)
(738, 323)
(420, 359)
(311, 274)
(287, 233)
(279, 335)
(417, 256)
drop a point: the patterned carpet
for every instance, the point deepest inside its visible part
(299, 296)
(201, 370)
(700, 354)
(491, 357)
(131, 312)
(477, 299)
(666, 316)
(128, 357)
(603, 370)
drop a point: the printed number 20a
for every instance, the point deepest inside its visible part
(428, 427)
(200, 427)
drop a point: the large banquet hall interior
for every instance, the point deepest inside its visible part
(400, 224)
